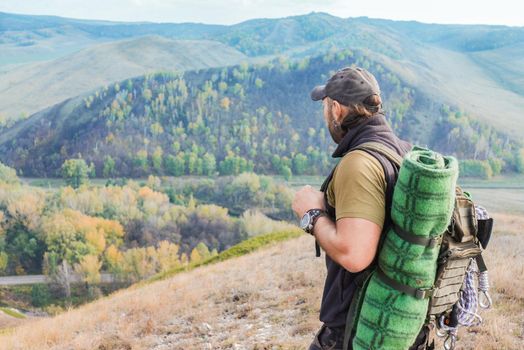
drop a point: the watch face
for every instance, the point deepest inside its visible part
(304, 222)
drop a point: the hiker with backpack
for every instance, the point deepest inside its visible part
(383, 253)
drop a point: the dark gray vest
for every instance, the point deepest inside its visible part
(340, 283)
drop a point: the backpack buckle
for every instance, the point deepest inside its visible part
(424, 293)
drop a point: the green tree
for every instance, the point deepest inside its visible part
(299, 164)
(519, 160)
(175, 166)
(157, 159)
(286, 172)
(75, 172)
(109, 167)
(191, 161)
(92, 170)
(140, 160)
(209, 164)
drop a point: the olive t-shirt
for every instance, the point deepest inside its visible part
(358, 188)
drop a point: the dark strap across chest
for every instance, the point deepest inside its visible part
(390, 162)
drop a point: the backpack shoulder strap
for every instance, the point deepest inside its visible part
(389, 160)
(382, 149)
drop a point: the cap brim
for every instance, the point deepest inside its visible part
(318, 93)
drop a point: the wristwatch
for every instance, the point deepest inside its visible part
(310, 217)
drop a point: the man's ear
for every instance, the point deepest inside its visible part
(337, 111)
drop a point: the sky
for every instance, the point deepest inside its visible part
(506, 12)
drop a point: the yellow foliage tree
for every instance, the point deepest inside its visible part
(167, 256)
(114, 259)
(89, 269)
(96, 239)
(195, 256)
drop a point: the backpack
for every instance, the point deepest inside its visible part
(461, 281)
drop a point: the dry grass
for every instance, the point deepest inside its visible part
(266, 300)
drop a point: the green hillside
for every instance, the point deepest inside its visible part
(229, 120)
(474, 68)
(31, 88)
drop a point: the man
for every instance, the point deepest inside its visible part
(352, 209)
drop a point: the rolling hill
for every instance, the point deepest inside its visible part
(246, 117)
(44, 84)
(473, 68)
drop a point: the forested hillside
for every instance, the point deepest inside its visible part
(474, 68)
(229, 120)
(29, 89)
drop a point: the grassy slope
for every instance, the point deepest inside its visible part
(465, 80)
(267, 298)
(29, 89)
(504, 65)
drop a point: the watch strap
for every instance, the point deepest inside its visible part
(314, 214)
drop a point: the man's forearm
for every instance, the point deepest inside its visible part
(325, 231)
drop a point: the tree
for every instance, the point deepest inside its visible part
(63, 275)
(89, 269)
(109, 167)
(519, 160)
(167, 256)
(286, 172)
(141, 160)
(91, 170)
(191, 161)
(175, 166)
(157, 159)
(75, 172)
(3, 261)
(209, 164)
(299, 164)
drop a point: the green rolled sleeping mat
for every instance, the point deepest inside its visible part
(395, 303)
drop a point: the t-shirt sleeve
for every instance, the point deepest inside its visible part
(359, 188)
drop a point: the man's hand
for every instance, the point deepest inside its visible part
(307, 198)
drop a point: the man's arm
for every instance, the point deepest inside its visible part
(351, 242)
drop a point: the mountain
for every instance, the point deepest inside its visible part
(26, 38)
(242, 118)
(472, 68)
(31, 88)
(267, 299)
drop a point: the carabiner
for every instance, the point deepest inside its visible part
(485, 302)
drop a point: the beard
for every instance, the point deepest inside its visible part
(337, 134)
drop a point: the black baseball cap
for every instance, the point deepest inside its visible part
(350, 85)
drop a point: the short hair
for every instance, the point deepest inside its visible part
(356, 112)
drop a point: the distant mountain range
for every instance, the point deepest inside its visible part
(474, 69)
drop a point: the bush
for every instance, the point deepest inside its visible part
(476, 168)
(40, 295)
(8, 174)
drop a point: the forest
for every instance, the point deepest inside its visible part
(131, 231)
